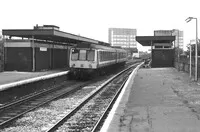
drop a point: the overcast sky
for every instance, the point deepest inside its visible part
(92, 18)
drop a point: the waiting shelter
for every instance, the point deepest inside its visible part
(162, 51)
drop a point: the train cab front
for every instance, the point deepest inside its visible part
(82, 63)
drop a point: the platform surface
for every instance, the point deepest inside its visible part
(14, 76)
(159, 100)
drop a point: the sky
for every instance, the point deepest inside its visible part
(92, 18)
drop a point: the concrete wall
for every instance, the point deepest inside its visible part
(162, 58)
(18, 58)
(47, 55)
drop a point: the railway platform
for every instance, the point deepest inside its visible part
(156, 100)
(12, 78)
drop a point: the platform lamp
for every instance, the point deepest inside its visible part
(196, 50)
(190, 45)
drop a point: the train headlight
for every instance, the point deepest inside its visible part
(90, 66)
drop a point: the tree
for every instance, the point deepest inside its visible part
(193, 50)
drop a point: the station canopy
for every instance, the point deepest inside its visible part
(148, 40)
(50, 33)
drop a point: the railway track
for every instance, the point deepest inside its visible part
(55, 122)
(14, 110)
(89, 115)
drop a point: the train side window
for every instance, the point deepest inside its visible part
(82, 55)
(103, 56)
(100, 58)
(90, 55)
(75, 53)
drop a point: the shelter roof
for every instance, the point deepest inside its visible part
(148, 40)
(47, 34)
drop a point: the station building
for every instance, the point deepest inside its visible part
(178, 43)
(162, 50)
(38, 49)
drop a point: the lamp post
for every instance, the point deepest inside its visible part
(196, 50)
(190, 59)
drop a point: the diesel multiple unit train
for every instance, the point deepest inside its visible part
(91, 59)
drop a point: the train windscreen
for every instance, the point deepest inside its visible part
(75, 54)
(82, 55)
(90, 55)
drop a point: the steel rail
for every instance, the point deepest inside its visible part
(104, 115)
(5, 123)
(14, 114)
(61, 121)
(30, 96)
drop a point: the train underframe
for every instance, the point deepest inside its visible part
(87, 74)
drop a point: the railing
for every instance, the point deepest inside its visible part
(184, 65)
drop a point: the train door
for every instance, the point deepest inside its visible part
(97, 52)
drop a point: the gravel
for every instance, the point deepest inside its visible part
(87, 117)
(43, 118)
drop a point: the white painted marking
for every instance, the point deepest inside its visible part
(14, 84)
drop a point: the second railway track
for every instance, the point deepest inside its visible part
(88, 116)
(14, 110)
(67, 110)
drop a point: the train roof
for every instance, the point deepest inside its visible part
(100, 47)
(120, 49)
(93, 46)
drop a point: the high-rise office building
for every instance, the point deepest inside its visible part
(1, 53)
(179, 38)
(122, 37)
(174, 32)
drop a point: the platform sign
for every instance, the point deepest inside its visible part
(43, 49)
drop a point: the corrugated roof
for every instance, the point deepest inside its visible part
(47, 34)
(147, 40)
